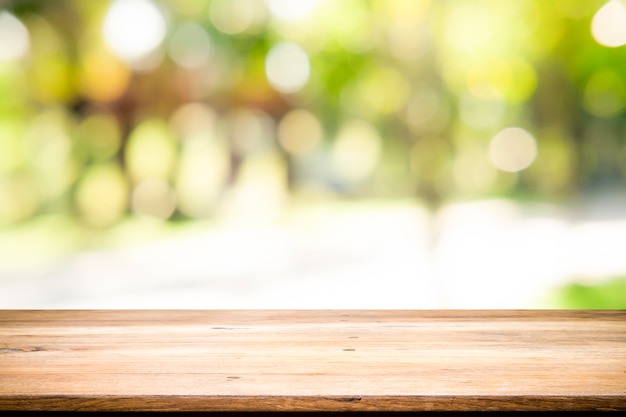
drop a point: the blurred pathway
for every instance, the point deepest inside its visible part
(488, 254)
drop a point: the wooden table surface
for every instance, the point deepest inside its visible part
(346, 360)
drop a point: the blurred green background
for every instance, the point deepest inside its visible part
(136, 119)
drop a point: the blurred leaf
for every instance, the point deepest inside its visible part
(607, 295)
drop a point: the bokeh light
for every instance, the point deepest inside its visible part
(364, 95)
(408, 36)
(291, 10)
(98, 65)
(356, 152)
(299, 132)
(469, 28)
(204, 166)
(202, 175)
(48, 147)
(355, 29)
(287, 67)
(150, 152)
(512, 149)
(50, 73)
(482, 107)
(153, 198)
(134, 29)
(193, 120)
(251, 131)
(14, 38)
(19, 199)
(426, 111)
(605, 94)
(100, 134)
(384, 97)
(609, 24)
(472, 171)
(188, 7)
(102, 195)
(190, 46)
(11, 135)
(236, 16)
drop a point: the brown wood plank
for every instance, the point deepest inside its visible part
(264, 360)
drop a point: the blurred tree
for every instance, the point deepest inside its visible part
(395, 98)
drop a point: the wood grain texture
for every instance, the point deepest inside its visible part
(264, 360)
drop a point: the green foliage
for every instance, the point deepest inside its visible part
(434, 81)
(606, 295)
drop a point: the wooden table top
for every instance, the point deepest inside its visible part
(280, 360)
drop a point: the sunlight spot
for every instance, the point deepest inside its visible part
(608, 26)
(134, 29)
(513, 149)
(287, 67)
(14, 39)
